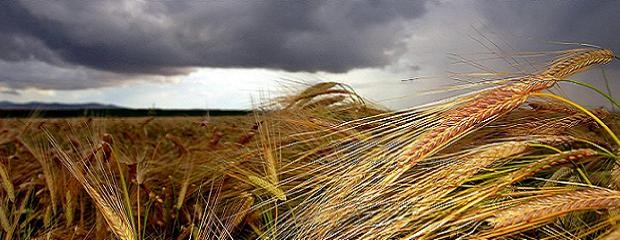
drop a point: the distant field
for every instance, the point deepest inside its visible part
(115, 112)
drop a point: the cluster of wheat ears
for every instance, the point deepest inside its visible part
(508, 161)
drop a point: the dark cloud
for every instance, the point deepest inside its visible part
(86, 44)
(168, 37)
(591, 22)
(32, 73)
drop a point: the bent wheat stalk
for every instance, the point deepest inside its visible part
(582, 109)
(98, 182)
(490, 104)
(537, 212)
(550, 161)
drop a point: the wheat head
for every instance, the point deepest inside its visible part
(490, 104)
(547, 208)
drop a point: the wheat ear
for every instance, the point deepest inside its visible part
(578, 61)
(550, 161)
(244, 208)
(6, 182)
(4, 221)
(273, 189)
(480, 109)
(490, 104)
(101, 189)
(548, 208)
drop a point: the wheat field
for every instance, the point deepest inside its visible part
(510, 161)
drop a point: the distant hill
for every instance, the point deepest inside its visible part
(6, 105)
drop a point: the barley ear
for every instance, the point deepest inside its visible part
(4, 220)
(6, 183)
(578, 62)
(540, 211)
(274, 190)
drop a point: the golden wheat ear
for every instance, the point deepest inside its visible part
(6, 182)
(540, 211)
(483, 107)
(98, 181)
(577, 62)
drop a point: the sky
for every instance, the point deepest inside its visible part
(234, 54)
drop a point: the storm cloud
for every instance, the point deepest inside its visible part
(590, 22)
(89, 44)
(105, 40)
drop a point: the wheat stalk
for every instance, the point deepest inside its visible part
(429, 191)
(478, 110)
(4, 221)
(544, 209)
(269, 153)
(556, 125)
(264, 184)
(47, 217)
(540, 165)
(41, 154)
(490, 104)
(69, 208)
(325, 102)
(550, 106)
(183, 192)
(578, 60)
(6, 183)
(550, 161)
(241, 211)
(99, 183)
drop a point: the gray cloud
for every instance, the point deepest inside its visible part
(32, 73)
(87, 44)
(591, 22)
(171, 37)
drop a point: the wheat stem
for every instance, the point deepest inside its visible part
(590, 86)
(586, 111)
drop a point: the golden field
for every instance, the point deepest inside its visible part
(510, 161)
